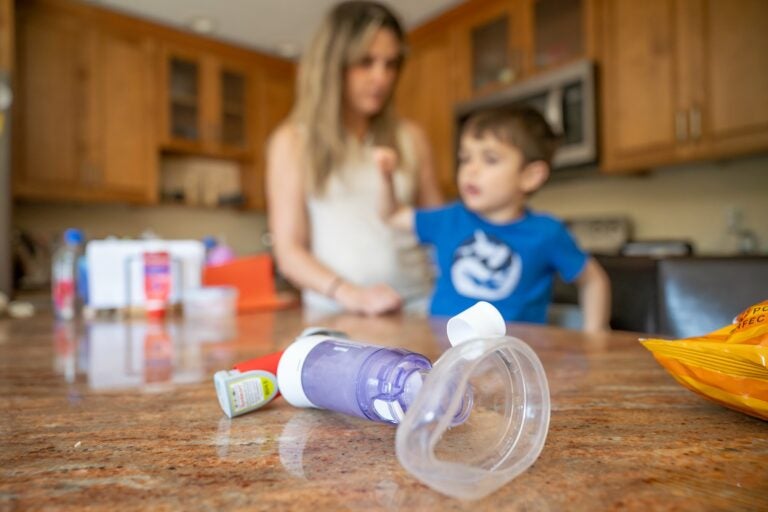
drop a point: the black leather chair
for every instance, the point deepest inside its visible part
(699, 295)
(634, 292)
(634, 295)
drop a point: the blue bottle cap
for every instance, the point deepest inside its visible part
(209, 242)
(73, 236)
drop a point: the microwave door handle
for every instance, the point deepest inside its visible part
(554, 113)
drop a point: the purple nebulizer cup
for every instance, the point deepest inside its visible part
(368, 381)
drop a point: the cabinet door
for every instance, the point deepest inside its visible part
(732, 110)
(274, 92)
(425, 96)
(493, 47)
(641, 119)
(182, 77)
(558, 32)
(51, 103)
(126, 161)
(232, 129)
(206, 104)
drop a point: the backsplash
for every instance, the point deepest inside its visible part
(693, 202)
(241, 230)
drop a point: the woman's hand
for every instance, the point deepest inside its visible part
(371, 300)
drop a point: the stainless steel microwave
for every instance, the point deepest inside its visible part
(565, 96)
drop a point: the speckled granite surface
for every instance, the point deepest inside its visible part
(116, 416)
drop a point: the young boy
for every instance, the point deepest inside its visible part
(490, 246)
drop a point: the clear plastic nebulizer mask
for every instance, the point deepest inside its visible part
(467, 425)
(507, 424)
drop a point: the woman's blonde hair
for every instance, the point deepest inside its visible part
(342, 40)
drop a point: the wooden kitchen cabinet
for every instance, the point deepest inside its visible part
(563, 31)
(426, 96)
(731, 88)
(205, 99)
(274, 90)
(480, 47)
(492, 46)
(500, 42)
(683, 80)
(101, 96)
(125, 149)
(225, 103)
(84, 104)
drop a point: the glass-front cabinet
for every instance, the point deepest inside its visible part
(492, 58)
(491, 48)
(233, 108)
(558, 32)
(206, 105)
(184, 99)
(501, 42)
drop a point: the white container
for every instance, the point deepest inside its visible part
(210, 302)
(116, 270)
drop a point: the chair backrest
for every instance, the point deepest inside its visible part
(699, 295)
(634, 296)
(634, 292)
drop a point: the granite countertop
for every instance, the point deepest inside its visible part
(121, 415)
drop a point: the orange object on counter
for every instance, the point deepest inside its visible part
(266, 363)
(728, 366)
(255, 282)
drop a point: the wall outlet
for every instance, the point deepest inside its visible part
(734, 218)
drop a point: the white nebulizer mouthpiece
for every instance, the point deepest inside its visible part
(479, 321)
(504, 422)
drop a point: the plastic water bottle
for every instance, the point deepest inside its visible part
(64, 274)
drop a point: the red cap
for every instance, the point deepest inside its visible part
(266, 363)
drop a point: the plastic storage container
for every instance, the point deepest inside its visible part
(214, 302)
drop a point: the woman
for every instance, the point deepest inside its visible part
(322, 180)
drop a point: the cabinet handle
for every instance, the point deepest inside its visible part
(681, 125)
(694, 119)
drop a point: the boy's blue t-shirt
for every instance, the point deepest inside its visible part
(512, 265)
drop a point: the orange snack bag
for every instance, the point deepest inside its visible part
(728, 366)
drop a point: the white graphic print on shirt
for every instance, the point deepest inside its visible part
(486, 268)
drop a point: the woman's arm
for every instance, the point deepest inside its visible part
(289, 226)
(287, 213)
(595, 297)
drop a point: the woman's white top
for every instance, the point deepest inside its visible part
(349, 237)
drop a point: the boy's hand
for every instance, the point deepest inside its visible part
(398, 216)
(385, 159)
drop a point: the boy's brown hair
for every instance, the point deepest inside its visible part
(522, 127)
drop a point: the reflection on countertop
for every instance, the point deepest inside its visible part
(141, 353)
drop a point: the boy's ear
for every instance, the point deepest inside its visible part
(534, 175)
